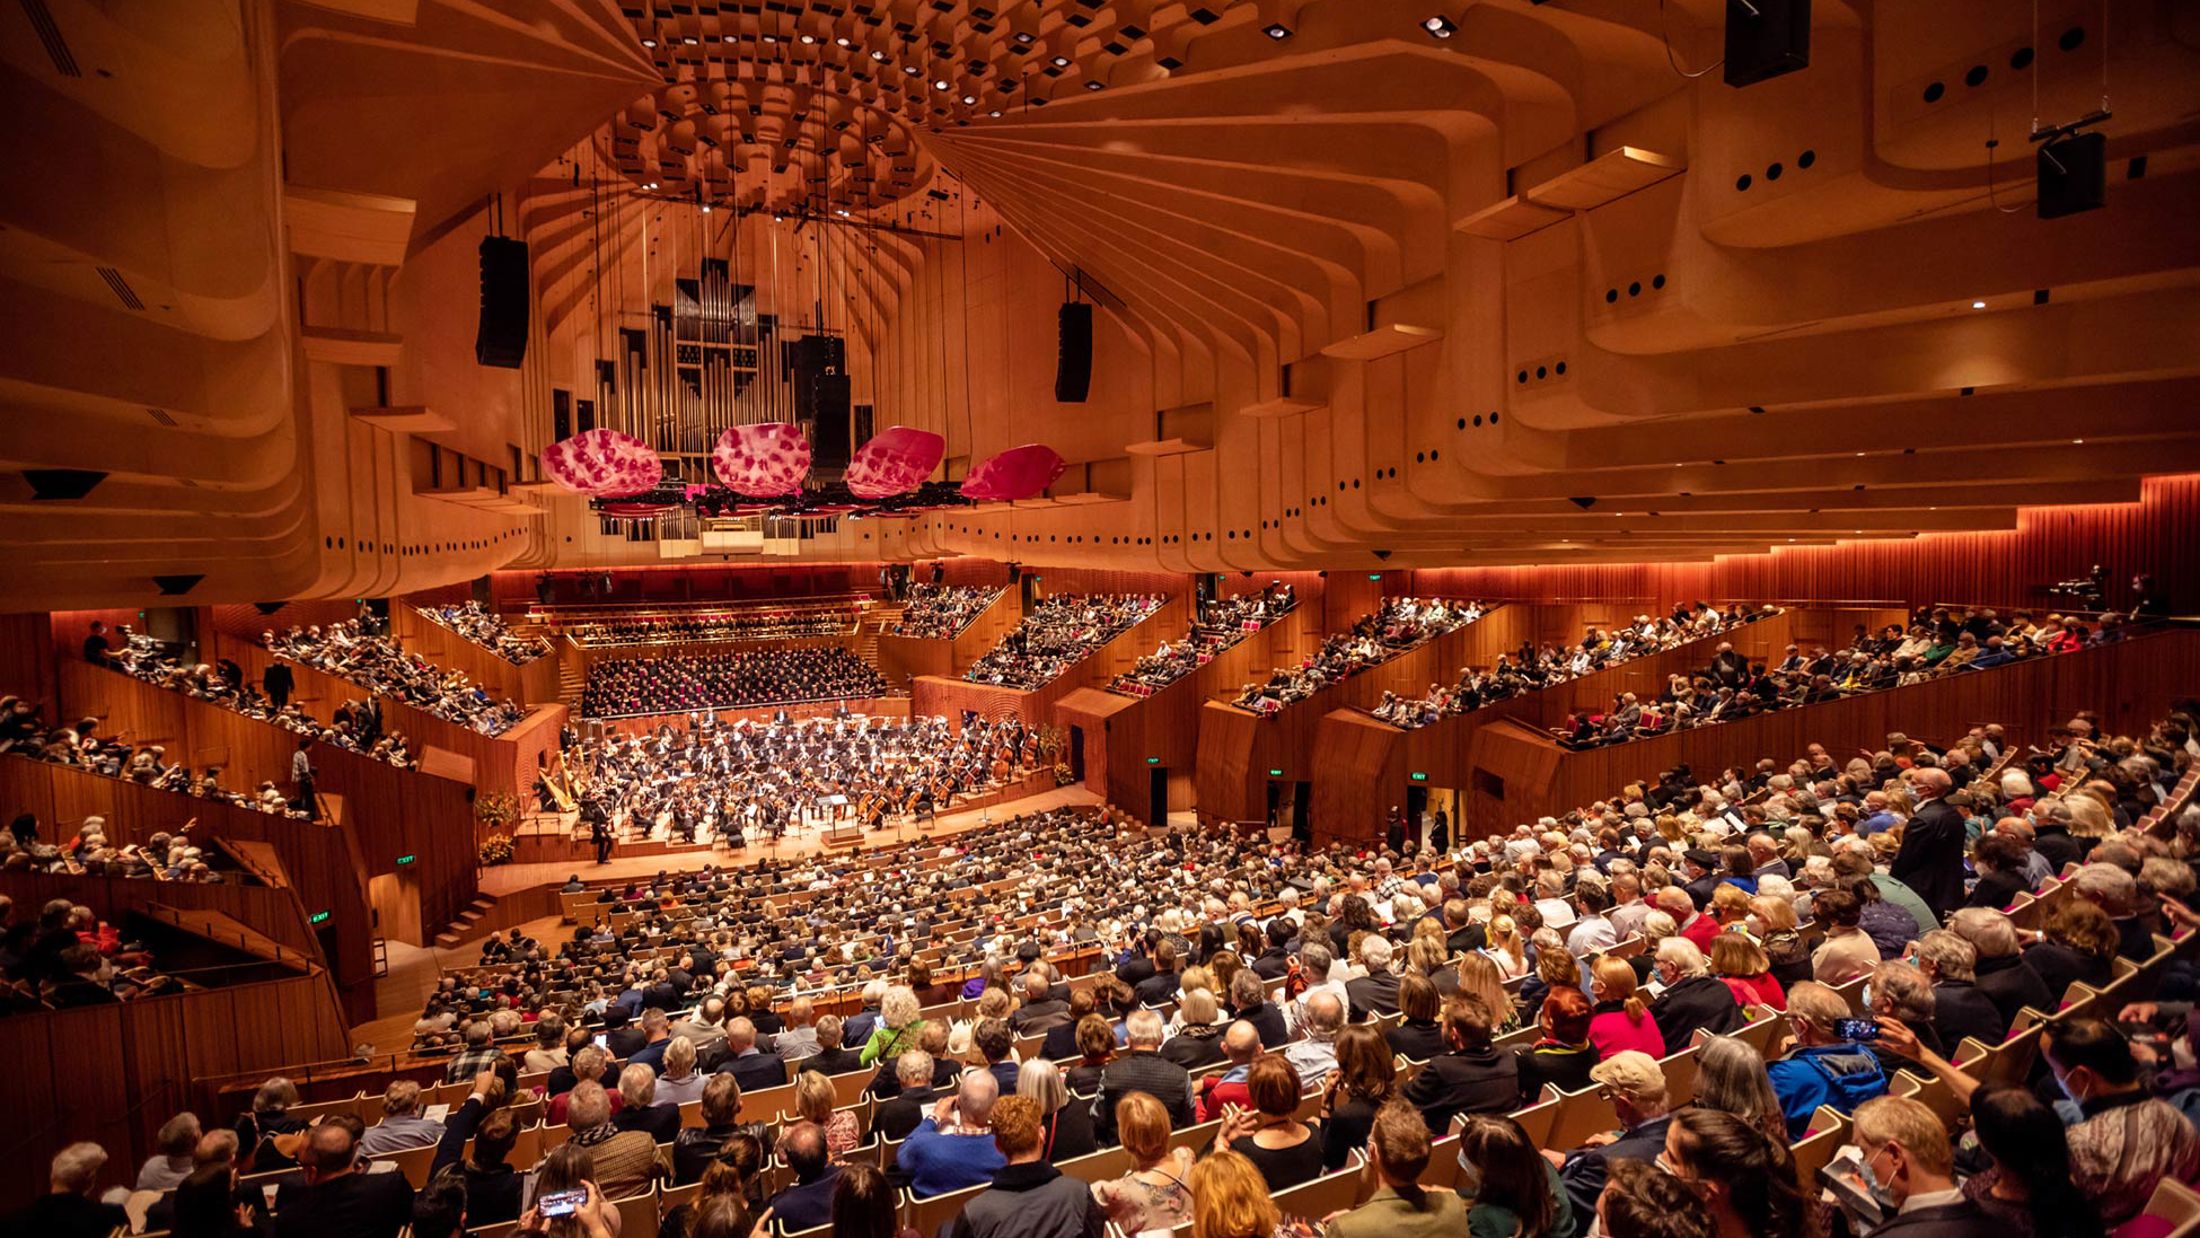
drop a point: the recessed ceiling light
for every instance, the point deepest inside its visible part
(995, 113)
(969, 99)
(1277, 31)
(706, 208)
(1095, 85)
(691, 40)
(1438, 27)
(879, 56)
(1978, 305)
(844, 41)
(1061, 62)
(649, 42)
(771, 38)
(808, 39)
(2078, 441)
(941, 84)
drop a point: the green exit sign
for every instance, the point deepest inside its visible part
(1418, 776)
(318, 917)
(1275, 773)
(1153, 760)
(406, 859)
(1374, 575)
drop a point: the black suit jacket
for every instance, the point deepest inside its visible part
(1375, 994)
(1960, 1009)
(756, 1070)
(623, 1042)
(660, 1122)
(1962, 1219)
(1470, 1081)
(834, 1061)
(1931, 859)
(897, 1117)
(1585, 1172)
(357, 1205)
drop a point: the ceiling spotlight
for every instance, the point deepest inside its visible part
(649, 42)
(879, 56)
(969, 99)
(808, 39)
(845, 41)
(771, 38)
(727, 38)
(691, 40)
(1277, 31)
(1439, 27)
(1095, 85)
(940, 84)
(2077, 442)
(706, 208)
(995, 113)
(1978, 305)
(1061, 62)
(909, 69)
(843, 212)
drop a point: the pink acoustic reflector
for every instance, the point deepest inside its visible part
(1018, 473)
(762, 460)
(895, 460)
(604, 463)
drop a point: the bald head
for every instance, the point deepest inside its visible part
(330, 1150)
(974, 1099)
(1242, 1042)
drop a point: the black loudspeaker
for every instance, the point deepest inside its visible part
(1073, 366)
(501, 340)
(1765, 38)
(48, 485)
(173, 586)
(813, 357)
(831, 443)
(2073, 175)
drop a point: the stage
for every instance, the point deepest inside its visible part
(630, 860)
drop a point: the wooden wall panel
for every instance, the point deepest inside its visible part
(115, 1073)
(2010, 568)
(27, 659)
(1362, 775)
(903, 658)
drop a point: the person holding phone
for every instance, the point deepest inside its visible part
(1822, 1066)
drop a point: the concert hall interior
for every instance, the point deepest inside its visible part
(1047, 618)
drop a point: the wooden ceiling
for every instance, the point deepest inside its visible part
(1531, 292)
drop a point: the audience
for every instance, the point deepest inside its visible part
(356, 725)
(941, 612)
(625, 687)
(1398, 625)
(486, 628)
(1221, 623)
(378, 665)
(1058, 633)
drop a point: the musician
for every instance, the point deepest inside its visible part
(599, 829)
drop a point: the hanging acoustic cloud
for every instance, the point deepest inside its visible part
(1018, 473)
(896, 459)
(603, 463)
(762, 460)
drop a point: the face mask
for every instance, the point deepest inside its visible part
(1469, 1182)
(1881, 1194)
(2063, 1082)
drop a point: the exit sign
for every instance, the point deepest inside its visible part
(1374, 575)
(1153, 760)
(319, 917)
(1275, 773)
(1418, 776)
(406, 859)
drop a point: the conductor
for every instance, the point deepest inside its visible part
(599, 829)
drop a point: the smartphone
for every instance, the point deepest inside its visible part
(561, 1203)
(1861, 1030)
(603, 1041)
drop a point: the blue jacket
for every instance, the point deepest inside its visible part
(1842, 1076)
(939, 1162)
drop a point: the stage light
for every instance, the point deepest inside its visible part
(1439, 27)
(844, 41)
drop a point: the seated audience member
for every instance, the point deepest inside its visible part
(1471, 1075)
(641, 1112)
(2000, 971)
(1365, 1078)
(1154, 1194)
(894, 1119)
(1643, 1201)
(1198, 1041)
(1284, 1149)
(1141, 1068)
(1999, 859)
(808, 1203)
(1821, 1067)
(1028, 1198)
(1621, 1020)
(695, 1147)
(1376, 992)
(1731, 1078)
(1218, 1090)
(1418, 1036)
(1847, 952)
(1901, 992)
(680, 1082)
(492, 1184)
(68, 1210)
(1741, 965)
(1249, 997)
(478, 1055)
(752, 1067)
(1959, 1008)
(1397, 1154)
(1637, 1089)
(1693, 999)
(1314, 1054)
(1509, 1186)
(1562, 1056)
(2116, 892)
(953, 1146)
(2078, 947)
(624, 1160)
(172, 1161)
(2027, 1189)
(1230, 1200)
(1066, 1120)
(1038, 1014)
(2125, 1140)
(1745, 1181)
(588, 1067)
(402, 1125)
(338, 1198)
(1912, 1168)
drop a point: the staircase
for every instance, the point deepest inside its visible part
(877, 621)
(465, 926)
(571, 679)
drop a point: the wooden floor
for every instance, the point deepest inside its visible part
(415, 971)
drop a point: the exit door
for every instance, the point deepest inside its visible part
(1157, 791)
